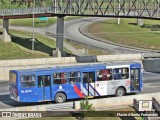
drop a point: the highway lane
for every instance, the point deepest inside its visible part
(151, 84)
(72, 32)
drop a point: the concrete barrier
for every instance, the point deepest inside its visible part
(65, 60)
(6, 65)
(151, 65)
(38, 61)
(26, 108)
(121, 57)
(119, 101)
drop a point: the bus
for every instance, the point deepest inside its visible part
(70, 82)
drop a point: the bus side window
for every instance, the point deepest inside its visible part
(73, 77)
(85, 78)
(59, 78)
(103, 75)
(88, 77)
(28, 80)
(47, 80)
(40, 82)
(121, 73)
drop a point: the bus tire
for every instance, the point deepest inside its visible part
(120, 92)
(60, 98)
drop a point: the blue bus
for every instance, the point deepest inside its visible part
(69, 82)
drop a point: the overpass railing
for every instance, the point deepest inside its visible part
(118, 8)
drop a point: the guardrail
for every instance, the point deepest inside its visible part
(111, 8)
(26, 11)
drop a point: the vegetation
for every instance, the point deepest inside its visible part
(91, 51)
(128, 33)
(21, 46)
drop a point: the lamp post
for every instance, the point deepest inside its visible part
(33, 35)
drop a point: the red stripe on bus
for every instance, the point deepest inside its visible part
(78, 91)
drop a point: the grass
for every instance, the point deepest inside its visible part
(100, 113)
(21, 46)
(128, 33)
(91, 51)
(29, 21)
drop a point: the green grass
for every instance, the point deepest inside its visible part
(128, 33)
(29, 21)
(91, 51)
(21, 46)
(15, 51)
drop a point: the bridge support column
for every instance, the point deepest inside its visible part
(6, 24)
(139, 21)
(59, 37)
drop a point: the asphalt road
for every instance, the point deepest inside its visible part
(72, 32)
(151, 84)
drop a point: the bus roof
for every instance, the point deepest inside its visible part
(75, 67)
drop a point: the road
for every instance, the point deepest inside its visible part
(151, 83)
(72, 32)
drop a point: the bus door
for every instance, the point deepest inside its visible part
(135, 79)
(44, 87)
(88, 87)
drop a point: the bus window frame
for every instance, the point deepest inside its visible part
(78, 76)
(35, 85)
(121, 73)
(104, 74)
(53, 83)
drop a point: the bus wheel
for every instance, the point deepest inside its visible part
(60, 98)
(120, 92)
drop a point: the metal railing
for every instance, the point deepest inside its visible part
(113, 8)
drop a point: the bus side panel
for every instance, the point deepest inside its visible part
(40, 94)
(56, 88)
(71, 90)
(28, 94)
(74, 91)
(101, 88)
(114, 84)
